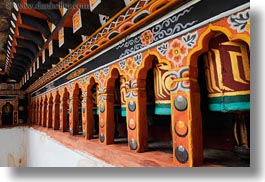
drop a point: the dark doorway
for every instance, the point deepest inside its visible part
(7, 114)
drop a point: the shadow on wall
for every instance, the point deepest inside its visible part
(26, 147)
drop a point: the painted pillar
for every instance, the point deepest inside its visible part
(64, 114)
(61, 113)
(44, 113)
(88, 116)
(36, 112)
(29, 113)
(30, 110)
(32, 113)
(40, 113)
(186, 118)
(137, 125)
(71, 114)
(50, 112)
(74, 115)
(56, 113)
(106, 118)
(84, 113)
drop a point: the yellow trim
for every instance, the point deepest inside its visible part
(210, 29)
(229, 93)
(163, 102)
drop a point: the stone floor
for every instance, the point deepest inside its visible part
(158, 155)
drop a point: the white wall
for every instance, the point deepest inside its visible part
(32, 148)
(13, 147)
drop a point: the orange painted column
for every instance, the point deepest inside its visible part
(137, 125)
(56, 114)
(36, 113)
(186, 119)
(40, 113)
(63, 114)
(88, 116)
(30, 110)
(106, 118)
(44, 113)
(32, 113)
(74, 115)
(71, 114)
(84, 113)
(87, 121)
(49, 113)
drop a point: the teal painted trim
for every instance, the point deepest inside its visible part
(95, 111)
(238, 106)
(163, 109)
(229, 99)
(123, 112)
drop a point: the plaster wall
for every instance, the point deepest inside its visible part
(27, 147)
(13, 147)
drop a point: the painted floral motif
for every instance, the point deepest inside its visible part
(122, 64)
(97, 74)
(138, 59)
(162, 49)
(190, 39)
(102, 77)
(240, 22)
(106, 71)
(147, 38)
(177, 51)
(130, 67)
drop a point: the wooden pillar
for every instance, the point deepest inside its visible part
(71, 115)
(35, 110)
(106, 118)
(88, 116)
(40, 112)
(137, 125)
(44, 113)
(37, 113)
(50, 112)
(64, 113)
(56, 113)
(84, 114)
(186, 119)
(61, 114)
(32, 113)
(74, 114)
(29, 110)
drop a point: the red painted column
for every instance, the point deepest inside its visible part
(137, 125)
(186, 119)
